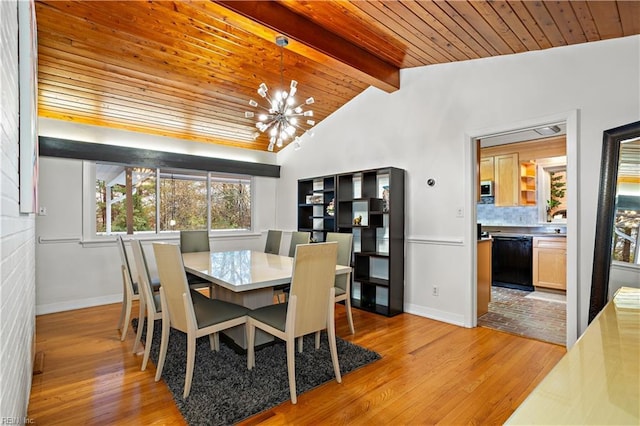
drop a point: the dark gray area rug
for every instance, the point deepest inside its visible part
(224, 392)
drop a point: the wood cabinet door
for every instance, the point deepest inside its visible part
(507, 180)
(550, 263)
(486, 168)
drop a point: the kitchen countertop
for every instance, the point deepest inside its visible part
(525, 231)
(523, 234)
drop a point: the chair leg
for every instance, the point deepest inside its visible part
(122, 312)
(147, 344)
(300, 343)
(127, 318)
(124, 299)
(291, 369)
(334, 354)
(251, 335)
(141, 318)
(331, 333)
(318, 339)
(164, 342)
(214, 342)
(347, 304)
(191, 358)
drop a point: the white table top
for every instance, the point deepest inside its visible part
(243, 270)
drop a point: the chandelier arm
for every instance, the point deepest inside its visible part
(297, 126)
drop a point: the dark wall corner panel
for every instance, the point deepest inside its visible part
(65, 148)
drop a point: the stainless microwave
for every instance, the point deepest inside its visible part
(486, 188)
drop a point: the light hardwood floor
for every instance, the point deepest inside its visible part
(430, 372)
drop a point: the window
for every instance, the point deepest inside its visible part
(183, 201)
(230, 203)
(133, 199)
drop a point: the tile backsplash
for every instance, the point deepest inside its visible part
(489, 214)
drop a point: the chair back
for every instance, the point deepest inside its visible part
(194, 241)
(126, 266)
(144, 277)
(273, 242)
(314, 269)
(174, 283)
(298, 238)
(345, 246)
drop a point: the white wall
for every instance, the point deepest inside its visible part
(422, 127)
(17, 252)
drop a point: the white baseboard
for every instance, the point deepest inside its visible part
(435, 314)
(71, 305)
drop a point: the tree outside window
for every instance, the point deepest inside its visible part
(182, 204)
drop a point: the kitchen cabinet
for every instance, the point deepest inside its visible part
(486, 168)
(484, 276)
(550, 262)
(527, 184)
(507, 179)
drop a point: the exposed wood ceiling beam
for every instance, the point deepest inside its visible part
(314, 42)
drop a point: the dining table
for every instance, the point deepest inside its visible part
(244, 277)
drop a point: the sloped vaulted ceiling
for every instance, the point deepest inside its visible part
(187, 69)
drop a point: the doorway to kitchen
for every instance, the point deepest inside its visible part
(536, 305)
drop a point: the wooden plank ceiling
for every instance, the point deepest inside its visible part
(187, 69)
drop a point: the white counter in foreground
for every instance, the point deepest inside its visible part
(597, 381)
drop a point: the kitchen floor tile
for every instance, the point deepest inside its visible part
(511, 311)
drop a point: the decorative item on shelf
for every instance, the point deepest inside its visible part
(385, 198)
(281, 116)
(357, 220)
(316, 199)
(331, 208)
(309, 199)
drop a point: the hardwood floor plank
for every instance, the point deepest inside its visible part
(430, 372)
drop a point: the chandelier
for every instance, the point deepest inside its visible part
(282, 118)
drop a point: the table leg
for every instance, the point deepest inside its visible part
(251, 299)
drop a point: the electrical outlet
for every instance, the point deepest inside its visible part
(42, 211)
(460, 212)
(435, 290)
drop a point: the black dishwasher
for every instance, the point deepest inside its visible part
(512, 261)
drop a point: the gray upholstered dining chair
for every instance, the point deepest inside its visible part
(343, 281)
(310, 308)
(149, 301)
(129, 289)
(272, 244)
(192, 242)
(189, 311)
(298, 237)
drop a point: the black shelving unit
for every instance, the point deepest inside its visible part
(370, 205)
(315, 195)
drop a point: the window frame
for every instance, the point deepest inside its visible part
(89, 233)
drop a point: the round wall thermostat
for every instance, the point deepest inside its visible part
(431, 182)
